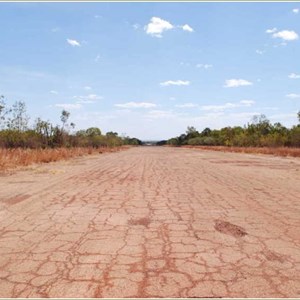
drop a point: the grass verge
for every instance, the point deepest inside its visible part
(278, 151)
(12, 158)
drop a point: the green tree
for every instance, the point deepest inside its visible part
(93, 131)
(64, 118)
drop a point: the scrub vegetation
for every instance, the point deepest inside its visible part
(21, 144)
(260, 136)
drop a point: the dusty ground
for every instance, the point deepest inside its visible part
(152, 222)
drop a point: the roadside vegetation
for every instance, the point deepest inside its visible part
(23, 144)
(258, 136)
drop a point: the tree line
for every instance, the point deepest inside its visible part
(260, 132)
(16, 132)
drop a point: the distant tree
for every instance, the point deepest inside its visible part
(111, 134)
(2, 107)
(206, 132)
(64, 118)
(161, 143)
(19, 119)
(45, 130)
(191, 132)
(93, 131)
(3, 110)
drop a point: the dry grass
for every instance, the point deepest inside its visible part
(280, 151)
(12, 158)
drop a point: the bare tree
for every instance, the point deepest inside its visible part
(19, 119)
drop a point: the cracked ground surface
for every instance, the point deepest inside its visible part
(152, 222)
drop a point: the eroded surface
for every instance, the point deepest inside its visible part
(152, 222)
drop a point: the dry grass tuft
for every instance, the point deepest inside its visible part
(279, 151)
(12, 158)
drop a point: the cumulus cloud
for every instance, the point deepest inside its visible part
(295, 10)
(287, 35)
(271, 30)
(236, 83)
(157, 26)
(175, 82)
(187, 105)
(136, 105)
(73, 43)
(293, 96)
(187, 27)
(204, 66)
(294, 76)
(69, 105)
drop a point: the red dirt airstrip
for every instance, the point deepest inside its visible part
(152, 222)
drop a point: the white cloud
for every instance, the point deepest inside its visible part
(136, 26)
(243, 115)
(295, 10)
(55, 29)
(91, 98)
(136, 105)
(287, 35)
(54, 92)
(204, 66)
(187, 27)
(228, 105)
(187, 105)
(175, 82)
(218, 107)
(73, 43)
(69, 105)
(293, 96)
(236, 83)
(87, 88)
(185, 64)
(271, 30)
(172, 98)
(97, 58)
(161, 114)
(294, 76)
(247, 102)
(157, 26)
(259, 52)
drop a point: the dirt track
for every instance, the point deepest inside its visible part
(152, 222)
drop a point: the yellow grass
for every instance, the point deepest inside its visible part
(279, 151)
(12, 158)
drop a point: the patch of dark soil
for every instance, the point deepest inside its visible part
(272, 256)
(16, 199)
(142, 221)
(230, 229)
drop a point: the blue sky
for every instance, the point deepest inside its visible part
(149, 70)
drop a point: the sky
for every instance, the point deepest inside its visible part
(149, 70)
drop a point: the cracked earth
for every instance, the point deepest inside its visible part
(152, 222)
